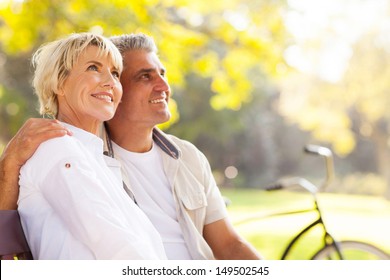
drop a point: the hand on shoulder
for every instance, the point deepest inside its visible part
(34, 131)
(21, 147)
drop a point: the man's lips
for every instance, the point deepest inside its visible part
(155, 101)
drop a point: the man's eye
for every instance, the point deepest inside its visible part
(92, 68)
(145, 76)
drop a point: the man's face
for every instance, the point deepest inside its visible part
(145, 90)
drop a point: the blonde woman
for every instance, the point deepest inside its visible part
(72, 201)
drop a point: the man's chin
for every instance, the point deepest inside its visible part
(166, 119)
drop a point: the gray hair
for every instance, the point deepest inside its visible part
(54, 61)
(130, 42)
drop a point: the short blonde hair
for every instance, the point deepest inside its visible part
(54, 61)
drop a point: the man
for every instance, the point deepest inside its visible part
(168, 177)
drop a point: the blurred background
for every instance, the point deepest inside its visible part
(253, 81)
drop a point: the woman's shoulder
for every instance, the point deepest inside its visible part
(48, 155)
(65, 145)
(54, 150)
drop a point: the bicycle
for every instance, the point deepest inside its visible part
(331, 248)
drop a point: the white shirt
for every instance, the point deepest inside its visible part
(195, 191)
(153, 194)
(72, 206)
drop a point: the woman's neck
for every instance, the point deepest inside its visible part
(92, 125)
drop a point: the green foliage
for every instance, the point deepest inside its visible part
(12, 107)
(355, 106)
(227, 137)
(351, 112)
(217, 40)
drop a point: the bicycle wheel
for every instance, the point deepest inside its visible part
(352, 250)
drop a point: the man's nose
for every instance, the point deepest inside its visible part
(162, 84)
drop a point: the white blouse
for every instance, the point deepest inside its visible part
(72, 206)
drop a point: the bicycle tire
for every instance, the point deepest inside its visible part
(351, 250)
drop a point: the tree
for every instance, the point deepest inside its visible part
(222, 41)
(351, 111)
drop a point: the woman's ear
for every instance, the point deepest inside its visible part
(60, 92)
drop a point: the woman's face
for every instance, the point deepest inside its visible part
(91, 92)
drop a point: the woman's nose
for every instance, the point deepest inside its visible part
(109, 81)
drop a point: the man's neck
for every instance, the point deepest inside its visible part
(134, 138)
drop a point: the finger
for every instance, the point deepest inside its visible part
(45, 135)
(22, 148)
(52, 127)
(36, 126)
(33, 132)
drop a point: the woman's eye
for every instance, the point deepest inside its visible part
(93, 68)
(116, 74)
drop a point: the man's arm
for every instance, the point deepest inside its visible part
(226, 244)
(21, 147)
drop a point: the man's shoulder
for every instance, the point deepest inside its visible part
(183, 146)
(188, 153)
(181, 142)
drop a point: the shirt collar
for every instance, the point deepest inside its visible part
(159, 137)
(165, 144)
(92, 141)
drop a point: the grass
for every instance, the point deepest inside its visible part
(348, 217)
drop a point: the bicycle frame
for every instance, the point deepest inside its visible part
(312, 189)
(330, 247)
(327, 238)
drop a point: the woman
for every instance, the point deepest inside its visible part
(72, 205)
